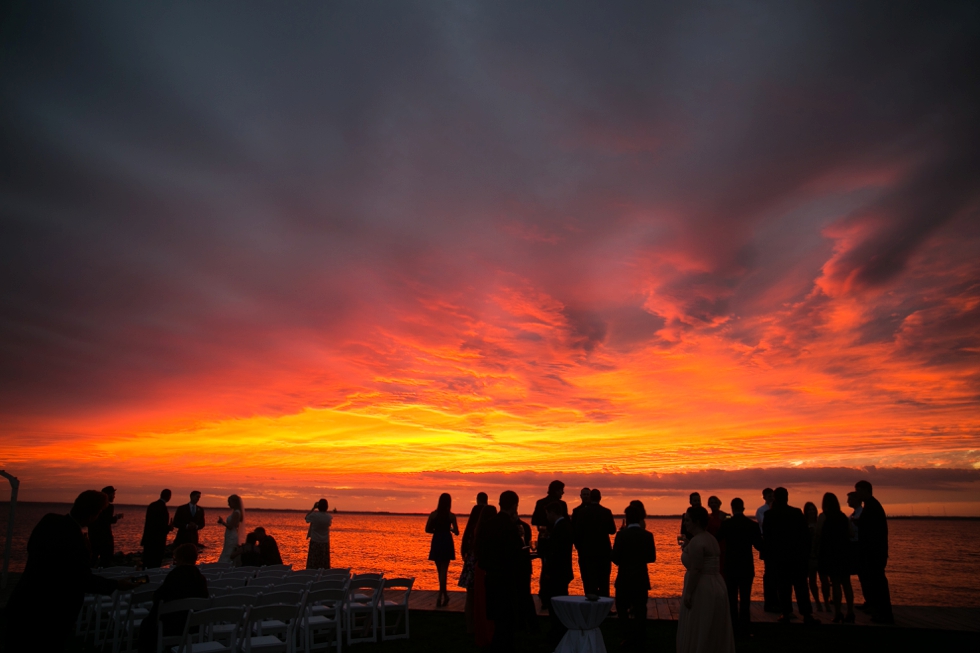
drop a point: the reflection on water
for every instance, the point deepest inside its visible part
(933, 562)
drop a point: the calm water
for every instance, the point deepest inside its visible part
(933, 562)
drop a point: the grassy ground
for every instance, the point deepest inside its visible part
(446, 631)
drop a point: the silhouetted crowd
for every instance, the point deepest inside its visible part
(804, 551)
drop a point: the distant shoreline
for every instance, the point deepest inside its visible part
(424, 514)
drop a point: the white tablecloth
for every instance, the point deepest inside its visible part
(582, 618)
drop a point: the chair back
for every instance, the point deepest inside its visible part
(226, 583)
(395, 586)
(359, 577)
(232, 600)
(180, 605)
(204, 620)
(280, 598)
(289, 587)
(331, 598)
(263, 620)
(329, 584)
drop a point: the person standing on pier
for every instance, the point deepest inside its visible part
(100, 533)
(873, 548)
(578, 526)
(557, 548)
(318, 556)
(43, 607)
(442, 526)
(598, 524)
(503, 558)
(467, 551)
(188, 520)
(633, 550)
(155, 530)
(737, 536)
(538, 518)
(770, 593)
(787, 541)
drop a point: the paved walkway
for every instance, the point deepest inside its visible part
(668, 609)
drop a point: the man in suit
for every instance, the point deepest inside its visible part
(507, 565)
(578, 522)
(873, 554)
(739, 535)
(597, 524)
(787, 542)
(188, 520)
(558, 550)
(155, 530)
(538, 518)
(632, 552)
(100, 533)
(43, 607)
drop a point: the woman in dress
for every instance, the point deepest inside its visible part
(442, 525)
(231, 525)
(705, 624)
(835, 540)
(319, 533)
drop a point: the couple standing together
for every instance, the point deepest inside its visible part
(189, 520)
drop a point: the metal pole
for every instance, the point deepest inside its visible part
(14, 486)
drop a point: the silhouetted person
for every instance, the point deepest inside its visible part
(558, 549)
(715, 516)
(442, 525)
(155, 530)
(265, 548)
(484, 556)
(770, 593)
(318, 554)
(100, 533)
(577, 522)
(633, 550)
(787, 542)
(504, 560)
(188, 520)
(185, 581)
(695, 501)
(42, 608)
(833, 558)
(873, 549)
(739, 535)
(813, 567)
(597, 524)
(854, 550)
(538, 518)
(467, 551)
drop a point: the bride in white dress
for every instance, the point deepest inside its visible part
(705, 623)
(231, 525)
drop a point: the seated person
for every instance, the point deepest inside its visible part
(260, 549)
(185, 581)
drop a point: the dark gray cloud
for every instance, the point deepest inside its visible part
(181, 183)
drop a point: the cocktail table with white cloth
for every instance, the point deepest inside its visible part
(582, 618)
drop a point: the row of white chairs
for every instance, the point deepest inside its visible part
(363, 601)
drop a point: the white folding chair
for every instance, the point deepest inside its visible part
(289, 587)
(395, 601)
(265, 620)
(277, 567)
(323, 619)
(329, 584)
(363, 597)
(208, 637)
(225, 583)
(165, 642)
(250, 591)
(140, 602)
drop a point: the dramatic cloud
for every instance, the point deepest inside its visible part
(487, 238)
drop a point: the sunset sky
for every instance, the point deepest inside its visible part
(381, 250)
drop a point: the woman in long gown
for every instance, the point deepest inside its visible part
(442, 525)
(231, 525)
(705, 623)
